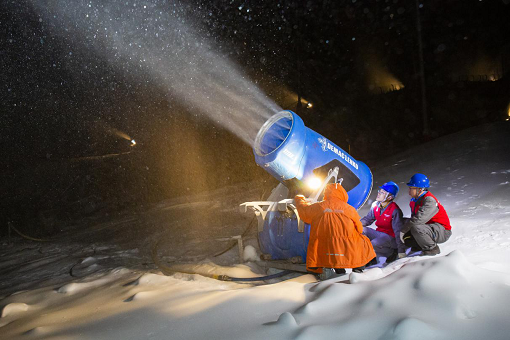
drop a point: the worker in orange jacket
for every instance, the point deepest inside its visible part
(336, 234)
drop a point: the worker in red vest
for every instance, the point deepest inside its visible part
(429, 224)
(388, 221)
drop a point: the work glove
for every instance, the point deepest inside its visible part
(401, 255)
(299, 198)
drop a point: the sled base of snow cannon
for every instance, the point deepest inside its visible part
(284, 265)
(282, 234)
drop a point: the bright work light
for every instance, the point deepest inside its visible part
(314, 182)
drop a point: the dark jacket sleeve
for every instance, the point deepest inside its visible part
(423, 215)
(397, 222)
(369, 218)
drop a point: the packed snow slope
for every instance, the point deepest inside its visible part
(463, 293)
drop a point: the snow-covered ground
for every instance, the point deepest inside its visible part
(97, 279)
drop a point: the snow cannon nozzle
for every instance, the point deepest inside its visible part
(273, 133)
(296, 155)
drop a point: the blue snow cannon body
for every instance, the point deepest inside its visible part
(295, 155)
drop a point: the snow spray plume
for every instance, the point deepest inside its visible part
(157, 39)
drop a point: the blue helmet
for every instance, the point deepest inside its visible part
(390, 187)
(419, 181)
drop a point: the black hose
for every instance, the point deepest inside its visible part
(233, 244)
(170, 271)
(249, 279)
(26, 236)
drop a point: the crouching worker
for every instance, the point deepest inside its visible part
(336, 234)
(389, 221)
(429, 224)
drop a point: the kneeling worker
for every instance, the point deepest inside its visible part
(429, 224)
(389, 221)
(336, 234)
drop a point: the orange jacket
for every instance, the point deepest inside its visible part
(336, 239)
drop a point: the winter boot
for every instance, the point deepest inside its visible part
(327, 273)
(372, 262)
(410, 242)
(431, 252)
(392, 257)
(358, 269)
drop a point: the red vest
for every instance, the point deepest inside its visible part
(441, 217)
(383, 222)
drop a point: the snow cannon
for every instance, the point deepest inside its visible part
(304, 162)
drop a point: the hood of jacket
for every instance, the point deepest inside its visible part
(336, 191)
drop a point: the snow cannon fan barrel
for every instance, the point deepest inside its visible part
(296, 156)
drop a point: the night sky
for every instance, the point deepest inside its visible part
(192, 81)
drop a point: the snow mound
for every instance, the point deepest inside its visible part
(287, 319)
(89, 261)
(250, 254)
(142, 296)
(367, 275)
(153, 279)
(408, 328)
(37, 331)
(77, 287)
(14, 308)
(441, 294)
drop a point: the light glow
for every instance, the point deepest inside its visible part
(133, 143)
(314, 182)
(379, 78)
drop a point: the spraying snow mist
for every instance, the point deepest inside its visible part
(159, 40)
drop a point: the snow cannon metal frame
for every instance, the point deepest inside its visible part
(296, 155)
